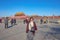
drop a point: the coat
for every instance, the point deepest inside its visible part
(6, 21)
(27, 28)
(0, 20)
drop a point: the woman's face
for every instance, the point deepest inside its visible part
(31, 19)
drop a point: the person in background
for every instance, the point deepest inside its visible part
(41, 21)
(0, 20)
(14, 21)
(6, 22)
(26, 20)
(47, 20)
(30, 29)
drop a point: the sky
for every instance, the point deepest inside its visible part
(30, 7)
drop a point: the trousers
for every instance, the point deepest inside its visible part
(30, 35)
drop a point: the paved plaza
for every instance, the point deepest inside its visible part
(18, 32)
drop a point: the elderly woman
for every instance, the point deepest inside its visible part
(30, 29)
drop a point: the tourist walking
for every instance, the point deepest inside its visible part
(12, 22)
(41, 21)
(6, 22)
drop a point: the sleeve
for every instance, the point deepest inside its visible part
(35, 26)
(27, 29)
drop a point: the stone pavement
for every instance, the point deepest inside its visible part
(17, 32)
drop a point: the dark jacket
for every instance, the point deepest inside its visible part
(27, 28)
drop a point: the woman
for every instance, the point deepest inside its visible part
(30, 29)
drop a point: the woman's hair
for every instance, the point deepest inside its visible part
(31, 18)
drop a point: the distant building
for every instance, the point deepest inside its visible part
(19, 15)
